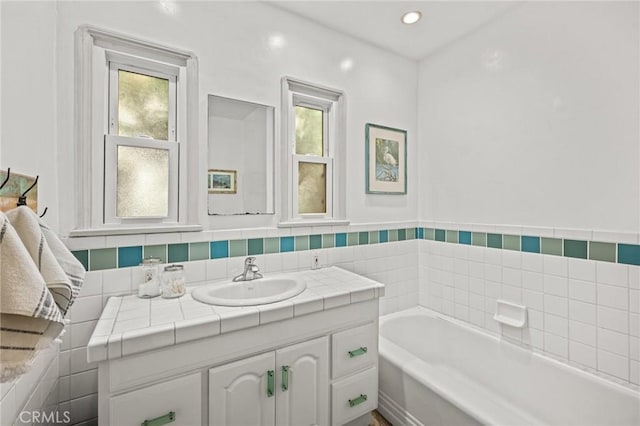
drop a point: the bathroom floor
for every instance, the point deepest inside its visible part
(378, 420)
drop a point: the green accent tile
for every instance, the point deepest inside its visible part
(328, 240)
(441, 235)
(255, 246)
(452, 236)
(302, 242)
(402, 234)
(411, 233)
(363, 238)
(237, 248)
(494, 241)
(178, 252)
(352, 239)
(479, 239)
(511, 242)
(83, 257)
(575, 248)
(551, 246)
(393, 235)
(374, 237)
(315, 242)
(272, 245)
(430, 233)
(159, 251)
(602, 251)
(103, 259)
(198, 251)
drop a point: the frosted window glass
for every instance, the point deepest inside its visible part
(309, 131)
(312, 187)
(143, 105)
(142, 182)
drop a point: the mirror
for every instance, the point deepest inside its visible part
(241, 157)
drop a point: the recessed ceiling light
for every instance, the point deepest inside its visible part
(411, 17)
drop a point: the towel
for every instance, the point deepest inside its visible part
(62, 272)
(29, 316)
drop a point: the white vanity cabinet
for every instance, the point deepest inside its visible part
(312, 361)
(288, 387)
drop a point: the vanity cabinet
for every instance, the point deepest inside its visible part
(287, 387)
(316, 367)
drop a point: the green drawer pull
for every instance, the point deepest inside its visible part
(360, 351)
(359, 400)
(170, 417)
(285, 378)
(270, 382)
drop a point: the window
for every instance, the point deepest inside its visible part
(314, 143)
(136, 134)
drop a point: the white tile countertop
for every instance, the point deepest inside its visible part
(130, 325)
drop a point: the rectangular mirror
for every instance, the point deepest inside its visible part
(240, 179)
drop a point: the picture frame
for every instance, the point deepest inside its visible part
(385, 160)
(222, 181)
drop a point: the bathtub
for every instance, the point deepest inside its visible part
(438, 371)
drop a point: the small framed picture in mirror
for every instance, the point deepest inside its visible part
(222, 181)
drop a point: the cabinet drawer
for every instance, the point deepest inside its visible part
(182, 396)
(354, 349)
(354, 396)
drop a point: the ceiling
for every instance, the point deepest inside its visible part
(378, 22)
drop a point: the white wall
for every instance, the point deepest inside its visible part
(29, 117)
(533, 120)
(231, 40)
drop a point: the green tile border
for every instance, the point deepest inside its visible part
(107, 258)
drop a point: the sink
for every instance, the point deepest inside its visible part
(250, 293)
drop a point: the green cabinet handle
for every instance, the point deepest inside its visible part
(357, 352)
(285, 378)
(359, 400)
(270, 380)
(170, 417)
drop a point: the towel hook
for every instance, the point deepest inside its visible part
(7, 178)
(22, 200)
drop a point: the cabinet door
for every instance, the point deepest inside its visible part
(176, 401)
(303, 389)
(238, 392)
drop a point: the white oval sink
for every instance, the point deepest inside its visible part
(250, 293)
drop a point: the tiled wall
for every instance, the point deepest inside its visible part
(387, 253)
(34, 392)
(583, 296)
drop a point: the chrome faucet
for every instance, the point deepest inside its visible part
(251, 271)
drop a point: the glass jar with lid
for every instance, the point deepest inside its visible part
(150, 285)
(173, 281)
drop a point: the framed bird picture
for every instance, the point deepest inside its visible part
(386, 160)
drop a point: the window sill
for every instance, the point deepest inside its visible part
(311, 222)
(131, 230)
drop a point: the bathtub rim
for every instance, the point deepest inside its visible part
(408, 360)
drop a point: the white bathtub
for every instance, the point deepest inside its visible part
(437, 371)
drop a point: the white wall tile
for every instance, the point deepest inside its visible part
(613, 364)
(613, 342)
(613, 296)
(583, 354)
(613, 319)
(583, 333)
(556, 345)
(580, 269)
(583, 312)
(533, 281)
(584, 291)
(556, 325)
(558, 286)
(556, 305)
(555, 265)
(612, 273)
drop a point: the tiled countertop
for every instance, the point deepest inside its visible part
(130, 325)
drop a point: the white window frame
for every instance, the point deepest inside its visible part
(99, 53)
(331, 102)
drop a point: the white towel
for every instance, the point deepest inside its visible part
(62, 272)
(29, 316)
